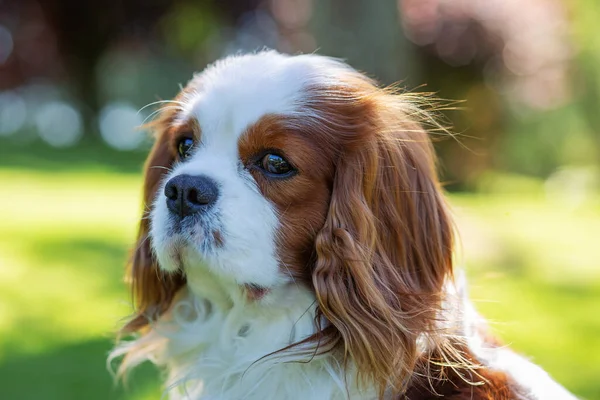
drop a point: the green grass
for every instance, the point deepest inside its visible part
(66, 223)
(63, 240)
(533, 268)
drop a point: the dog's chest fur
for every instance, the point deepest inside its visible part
(215, 349)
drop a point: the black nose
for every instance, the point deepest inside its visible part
(187, 194)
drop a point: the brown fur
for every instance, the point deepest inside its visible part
(386, 245)
(431, 381)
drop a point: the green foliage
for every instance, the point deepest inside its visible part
(539, 142)
(190, 26)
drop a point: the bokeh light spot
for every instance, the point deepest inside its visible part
(59, 124)
(118, 126)
(6, 44)
(13, 112)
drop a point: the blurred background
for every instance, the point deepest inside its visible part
(523, 171)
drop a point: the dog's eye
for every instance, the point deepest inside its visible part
(184, 147)
(276, 165)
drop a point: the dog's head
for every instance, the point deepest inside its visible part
(270, 169)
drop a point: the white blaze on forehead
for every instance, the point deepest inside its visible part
(236, 92)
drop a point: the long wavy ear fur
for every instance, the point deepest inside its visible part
(386, 246)
(152, 289)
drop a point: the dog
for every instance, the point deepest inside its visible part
(296, 244)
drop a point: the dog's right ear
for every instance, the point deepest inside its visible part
(152, 288)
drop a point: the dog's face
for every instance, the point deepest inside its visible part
(271, 169)
(250, 180)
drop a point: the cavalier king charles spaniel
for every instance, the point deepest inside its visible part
(296, 244)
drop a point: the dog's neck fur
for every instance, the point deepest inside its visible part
(215, 344)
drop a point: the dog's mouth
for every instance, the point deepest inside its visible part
(255, 292)
(202, 233)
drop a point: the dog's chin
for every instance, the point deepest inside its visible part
(177, 244)
(182, 254)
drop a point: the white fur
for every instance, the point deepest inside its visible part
(214, 351)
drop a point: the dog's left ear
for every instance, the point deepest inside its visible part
(152, 288)
(385, 249)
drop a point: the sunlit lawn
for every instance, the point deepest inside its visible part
(65, 229)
